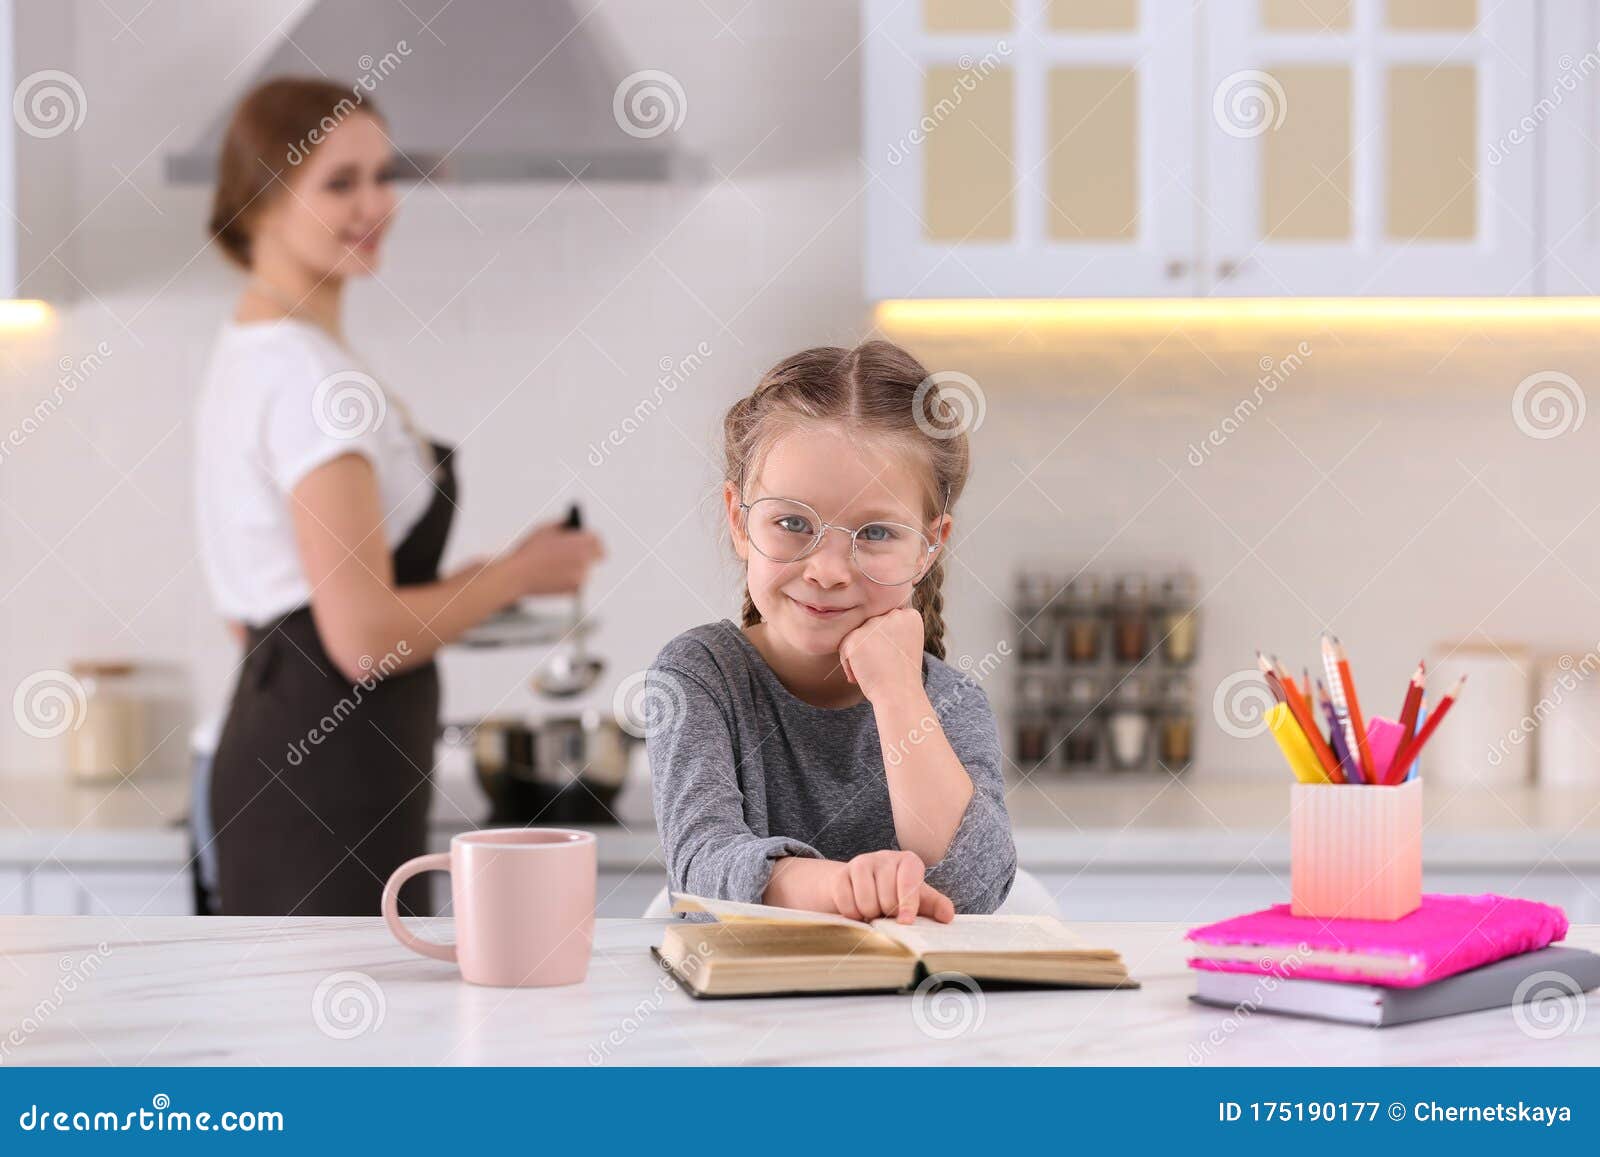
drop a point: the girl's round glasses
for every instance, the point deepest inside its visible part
(887, 553)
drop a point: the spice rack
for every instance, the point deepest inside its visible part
(1103, 672)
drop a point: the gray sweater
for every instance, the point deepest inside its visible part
(744, 773)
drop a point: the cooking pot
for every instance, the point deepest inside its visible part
(564, 769)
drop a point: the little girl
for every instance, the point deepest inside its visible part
(822, 755)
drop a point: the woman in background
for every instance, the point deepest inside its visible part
(323, 514)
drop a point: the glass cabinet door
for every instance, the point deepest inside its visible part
(1351, 147)
(1028, 148)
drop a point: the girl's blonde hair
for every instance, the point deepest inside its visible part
(878, 389)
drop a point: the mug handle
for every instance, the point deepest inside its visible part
(436, 862)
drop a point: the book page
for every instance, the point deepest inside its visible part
(779, 957)
(1000, 934)
(731, 911)
(778, 941)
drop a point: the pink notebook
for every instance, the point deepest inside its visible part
(1448, 934)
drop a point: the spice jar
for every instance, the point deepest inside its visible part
(1035, 690)
(1179, 623)
(1080, 744)
(1130, 618)
(108, 741)
(1175, 725)
(1033, 595)
(1083, 629)
(1033, 737)
(1128, 724)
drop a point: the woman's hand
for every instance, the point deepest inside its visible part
(884, 655)
(552, 559)
(359, 609)
(878, 884)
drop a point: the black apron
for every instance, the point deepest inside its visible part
(319, 787)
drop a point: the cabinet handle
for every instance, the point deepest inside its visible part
(1226, 269)
(1177, 269)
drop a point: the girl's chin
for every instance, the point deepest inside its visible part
(811, 635)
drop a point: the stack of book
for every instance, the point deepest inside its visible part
(1453, 954)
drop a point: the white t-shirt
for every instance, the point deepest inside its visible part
(281, 398)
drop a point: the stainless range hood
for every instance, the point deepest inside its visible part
(485, 90)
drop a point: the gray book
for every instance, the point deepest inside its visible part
(1541, 975)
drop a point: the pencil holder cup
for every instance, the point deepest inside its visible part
(1355, 850)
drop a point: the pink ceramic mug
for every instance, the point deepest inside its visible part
(524, 905)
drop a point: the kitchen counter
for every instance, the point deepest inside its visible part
(139, 821)
(143, 821)
(1133, 821)
(1175, 822)
(341, 991)
(1133, 848)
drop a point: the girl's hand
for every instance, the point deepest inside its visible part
(878, 884)
(884, 654)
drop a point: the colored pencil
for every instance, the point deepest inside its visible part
(1285, 680)
(1413, 746)
(1292, 742)
(1341, 750)
(1408, 713)
(1308, 723)
(1341, 708)
(1274, 684)
(1423, 711)
(1347, 685)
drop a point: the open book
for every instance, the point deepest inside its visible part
(760, 950)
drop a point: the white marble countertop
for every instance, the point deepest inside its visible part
(1139, 821)
(335, 991)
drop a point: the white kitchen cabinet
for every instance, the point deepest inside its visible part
(62, 890)
(53, 892)
(1562, 125)
(44, 104)
(1576, 892)
(1197, 896)
(1348, 147)
(13, 892)
(138, 893)
(618, 892)
(9, 129)
(1128, 148)
(981, 120)
(627, 893)
(1204, 894)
